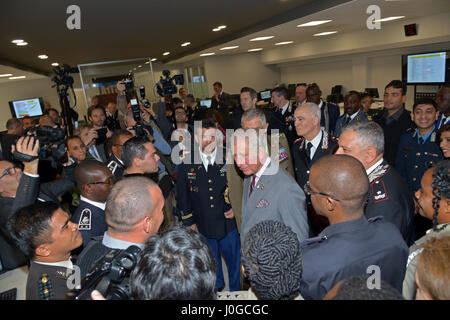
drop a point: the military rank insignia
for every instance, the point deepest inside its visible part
(85, 220)
(45, 287)
(379, 191)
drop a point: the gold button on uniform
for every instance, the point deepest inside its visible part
(209, 181)
(416, 166)
(211, 197)
(212, 206)
(414, 179)
(210, 189)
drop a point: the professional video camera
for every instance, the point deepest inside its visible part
(110, 276)
(51, 144)
(168, 86)
(135, 108)
(63, 82)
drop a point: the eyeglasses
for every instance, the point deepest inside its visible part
(7, 171)
(309, 191)
(110, 181)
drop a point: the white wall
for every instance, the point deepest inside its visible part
(240, 70)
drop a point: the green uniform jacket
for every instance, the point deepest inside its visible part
(236, 177)
(409, 289)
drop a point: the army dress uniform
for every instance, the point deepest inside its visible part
(345, 119)
(390, 197)
(90, 218)
(48, 280)
(326, 145)
(348, 249)
(416, 155)
(203, 198)
(115, 165)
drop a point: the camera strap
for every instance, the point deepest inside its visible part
(24, 157)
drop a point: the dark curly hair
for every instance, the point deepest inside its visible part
(441, 187)
(272, 260)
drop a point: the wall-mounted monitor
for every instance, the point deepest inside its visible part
(265, 95)
(33, 107)
(426, 68)
(206, 103)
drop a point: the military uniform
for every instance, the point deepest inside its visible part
(390, 197)
(342, 121)
(409, 288)
(303, 165)
(91, 220)
(413, 159)
(347, 249)
(115, 165)
(203, 198)
(48, 281)
(236, 178)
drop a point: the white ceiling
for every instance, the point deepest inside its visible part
(17, 72)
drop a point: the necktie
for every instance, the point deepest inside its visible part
(420, 140)
(308, 150)
(347, 120)
(252, 186)
(209, 162)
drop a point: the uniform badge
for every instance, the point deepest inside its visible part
(45, 287)
(85, 220)
(263, 203)
(226, 195)
(379, 193)
(282, 154)
(192, 175)
(223, 169)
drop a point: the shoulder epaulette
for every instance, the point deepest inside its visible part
(374, 219)
(313, 240)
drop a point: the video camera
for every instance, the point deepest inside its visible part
(51, 144)
(168, 86)
(110, 276)
(135, 108)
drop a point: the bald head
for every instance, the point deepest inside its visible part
(343, 177)
(87, 169)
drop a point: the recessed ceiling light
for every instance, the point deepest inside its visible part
(229, 48)
(256, 49)
(219, 28)
(19, 77)
(261, 38)
(283, 43)
(139, 66)
(22, 43)
(147, 62)
(207, 54)
(5, 75)
(43, 56)
(154, 59)
(55, 64)
(324, 33)
(389, 19)
(17, 41)
(166, 53)
(185, 44)
(313, 23)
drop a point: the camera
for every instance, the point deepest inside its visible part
(169, 85)
(101, 135)
(110, 276)
(51, 143)
(145, 102)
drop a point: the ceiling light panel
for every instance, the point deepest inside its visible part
(313, 23)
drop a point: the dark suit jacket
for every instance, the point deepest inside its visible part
(27, 193)
(329, 114)
(392, 132)
(224, 101)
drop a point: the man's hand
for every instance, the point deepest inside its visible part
(28, 145)
(109, 133)
(193, 227)
(96, 295)
(229, 214)
(90, 137)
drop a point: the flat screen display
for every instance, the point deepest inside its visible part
(265, 95)
(206, 103)
(426, 68)
(32, 107)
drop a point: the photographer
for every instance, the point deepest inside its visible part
(97, 116)
(115, 163)
(45, 234)
(15, 130)
(89, 136)
(19, 187)
(133, 214)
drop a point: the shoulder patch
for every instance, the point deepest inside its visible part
(282, 154)
(85, 220)
(310, 241)
(112, 166)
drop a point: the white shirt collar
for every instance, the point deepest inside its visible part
(353, 115)
(315, 142)
(284, 108)
(204, 157)
(261, 171)
(114, 243)
(369, 171)
(65, 264)
(96, 204)
(320, 104)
